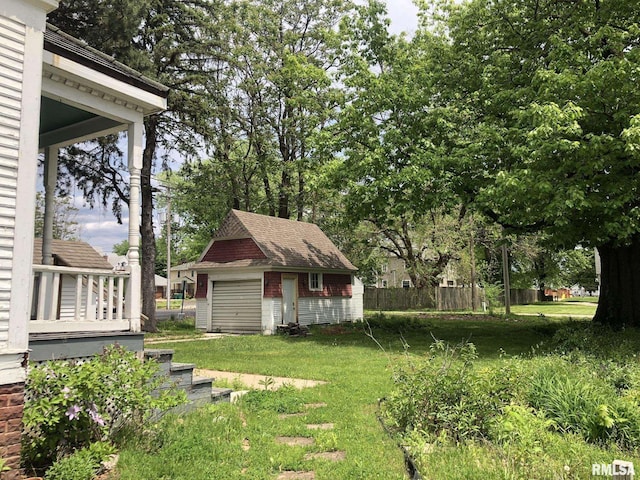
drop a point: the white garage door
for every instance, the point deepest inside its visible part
(237, 307)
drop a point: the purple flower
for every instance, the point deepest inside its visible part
(66, 391)
(73, 412)
(95, 416)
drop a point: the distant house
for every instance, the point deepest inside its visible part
(183, 277)
(259, 272)
(393, 274)
(161, 286)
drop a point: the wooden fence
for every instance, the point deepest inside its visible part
(440, 298)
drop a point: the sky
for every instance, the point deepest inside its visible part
(98, 226)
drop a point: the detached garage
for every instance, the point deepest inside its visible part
(260, 271)
(236, 306)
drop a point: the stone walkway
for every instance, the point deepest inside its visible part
(257, 381)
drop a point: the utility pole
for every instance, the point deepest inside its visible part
(168, 246)
(472, 255)
(505, 275)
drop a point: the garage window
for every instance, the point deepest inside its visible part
(315, 282)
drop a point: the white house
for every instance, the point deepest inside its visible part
(54, 92)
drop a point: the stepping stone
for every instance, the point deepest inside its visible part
(332, 456)
(291, 475)
(295, 441)
(245, 444)
(284, 416)
(315, 405)
(320, 426)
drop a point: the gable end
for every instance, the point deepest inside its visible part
(222, 251)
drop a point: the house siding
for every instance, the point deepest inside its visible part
(271, 314)
(230, 250)
(68, 299)
(333, 285)
(313, 310)
(202, 286)
(202, 314)
(12, 53)
(272, 285)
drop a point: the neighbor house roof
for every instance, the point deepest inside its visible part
(284, 243)
(68, 253)
(60, 43)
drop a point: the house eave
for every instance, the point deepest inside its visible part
(273, 268)
(84, 79)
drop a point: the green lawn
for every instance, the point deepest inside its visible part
(574, 309)
(238, 441)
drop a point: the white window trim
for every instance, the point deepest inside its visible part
(320, 286)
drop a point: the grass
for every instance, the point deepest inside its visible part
(174, 330)
(209, 443)
(174, 304)
(573, 309)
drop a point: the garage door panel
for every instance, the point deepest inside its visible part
(237, 306)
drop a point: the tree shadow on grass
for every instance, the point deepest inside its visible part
(492, 336)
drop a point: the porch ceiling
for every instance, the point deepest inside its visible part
(62, 124)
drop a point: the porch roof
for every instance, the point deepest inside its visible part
(87, 94)
(60, 43)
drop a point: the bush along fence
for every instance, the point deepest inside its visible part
(442, 298)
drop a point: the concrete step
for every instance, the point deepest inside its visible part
(164, 357)
(219, 395)
(181, 374)
(200, 388)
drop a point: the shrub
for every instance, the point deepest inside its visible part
(446, 396)
(69, 405)
(81, 465)
(578, 399)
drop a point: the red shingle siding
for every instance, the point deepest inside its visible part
(11, 407)
(202, 284)
(272, 285)
(229, 250)
(333, 285)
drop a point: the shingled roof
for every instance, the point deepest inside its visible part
(60, 43)
(285, 243)
(67, 253)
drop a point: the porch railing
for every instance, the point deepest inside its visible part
(69, 299)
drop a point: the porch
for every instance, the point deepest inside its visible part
(79, 303)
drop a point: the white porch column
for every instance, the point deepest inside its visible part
(50, 181)
(134, 287)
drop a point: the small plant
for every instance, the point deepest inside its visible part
(493, 294)
(3, 466)
(80, 465)
(70, 405)
(284, 400)
(267, 382)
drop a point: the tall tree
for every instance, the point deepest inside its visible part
(555, 145)
(174, 42)
(388, 146)
(65, 223)
(284, 52)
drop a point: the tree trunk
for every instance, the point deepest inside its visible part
(283, 197)
(148, 246)
(619, 304)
